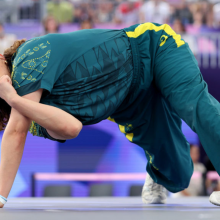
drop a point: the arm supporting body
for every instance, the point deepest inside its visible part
(59, 124)
(12, 147)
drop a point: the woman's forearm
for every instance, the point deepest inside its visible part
(49, 117)
(12, 147)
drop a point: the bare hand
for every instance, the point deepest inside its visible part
(7, 91)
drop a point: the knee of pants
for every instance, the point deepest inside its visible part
(178, 181)
(182, 180)
(177, 185)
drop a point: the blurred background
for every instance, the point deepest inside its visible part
(101, 161)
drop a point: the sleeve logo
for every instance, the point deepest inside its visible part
(163, 40)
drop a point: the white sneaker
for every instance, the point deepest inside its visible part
(153, 193)
(215, 198)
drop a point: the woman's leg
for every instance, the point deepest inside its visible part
(167, 151)
(178, 77)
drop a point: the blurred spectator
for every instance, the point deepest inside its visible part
(216, 14)
(205, 6)
(80, 14)
(77, 14)
(6, 40)
(182, 12)
(9, 11)
(179, 28)
(28, 9)
(196, 186)
(62, 11)
(83, 11)
(50, 25)
(210, 184)
(198, 20)
(203, 16)
(86, 24)
(155, 11)
(208, 19)
(195, 155)
(127, 12)
(105, 12)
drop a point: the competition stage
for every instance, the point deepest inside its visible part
(108, 208)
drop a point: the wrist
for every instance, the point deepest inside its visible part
(12, 100)
(3, 201)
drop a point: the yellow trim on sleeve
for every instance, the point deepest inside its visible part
(141, 29)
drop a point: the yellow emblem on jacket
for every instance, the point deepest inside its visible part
(163, 40)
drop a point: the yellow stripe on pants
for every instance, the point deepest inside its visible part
(129, 136)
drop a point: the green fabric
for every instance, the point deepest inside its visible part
(86, 73)
(147, 117)
(170, 87)
(146, 84)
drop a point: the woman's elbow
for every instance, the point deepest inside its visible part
(71, 132)
(77, 130)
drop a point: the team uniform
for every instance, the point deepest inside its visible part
(144, 78)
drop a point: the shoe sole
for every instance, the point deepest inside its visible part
(213, 199)
(214, 203)
(154, 201)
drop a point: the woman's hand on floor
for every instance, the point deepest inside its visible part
(1, 205)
